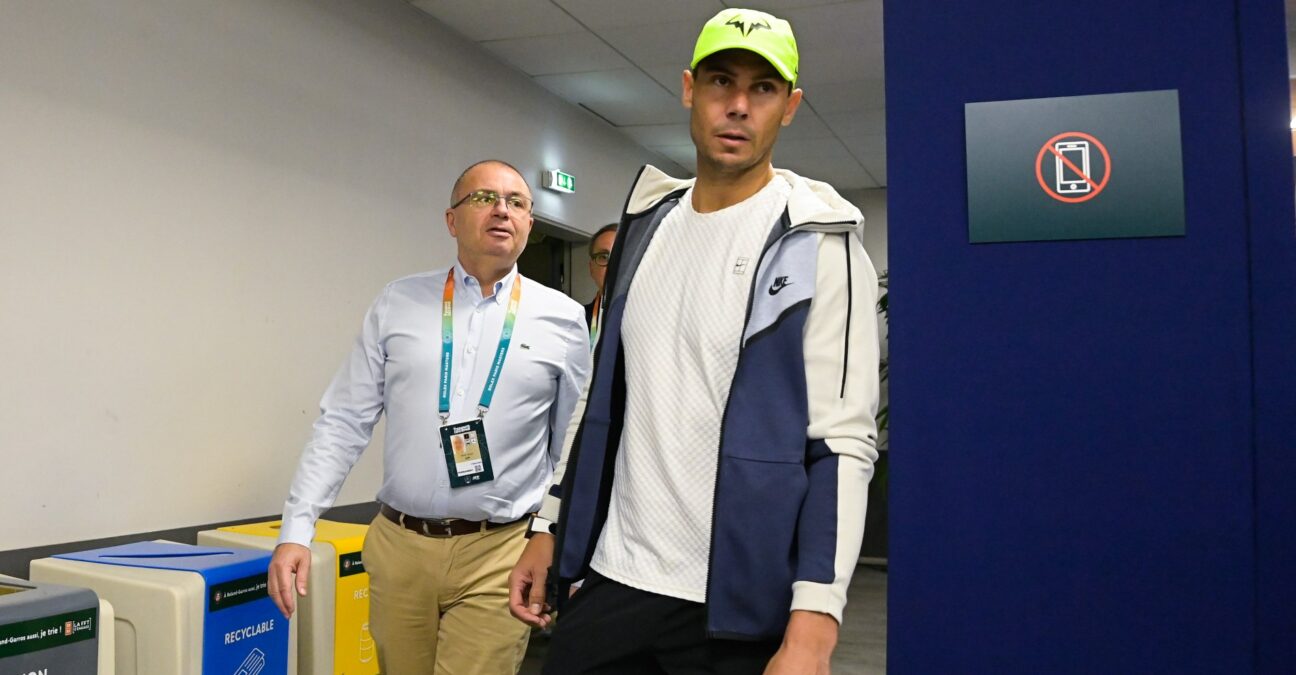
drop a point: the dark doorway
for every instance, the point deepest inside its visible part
(546, 258)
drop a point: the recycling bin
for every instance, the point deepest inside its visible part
(55, 629)
(183, 609)
(333, 618)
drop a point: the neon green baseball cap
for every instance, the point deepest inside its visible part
(765, 34)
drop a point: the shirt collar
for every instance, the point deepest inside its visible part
(466, 280)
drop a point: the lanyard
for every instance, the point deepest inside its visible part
(447, 345)
(596, 319)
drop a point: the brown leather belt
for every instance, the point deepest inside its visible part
(437, 527)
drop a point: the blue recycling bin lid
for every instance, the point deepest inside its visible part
(215, 564)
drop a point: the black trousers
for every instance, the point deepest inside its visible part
(609, 628)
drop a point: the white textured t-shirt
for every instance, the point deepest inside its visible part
(681, 334)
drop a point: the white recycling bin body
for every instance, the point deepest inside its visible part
(184, 609)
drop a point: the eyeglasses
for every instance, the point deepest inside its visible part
(601, 258)
(487, 199)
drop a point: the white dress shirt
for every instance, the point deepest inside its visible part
(395, 367)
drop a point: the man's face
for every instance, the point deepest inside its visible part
(602, 248)
(496, 232)
(738, 102)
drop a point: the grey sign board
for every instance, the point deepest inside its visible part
(1076, 167)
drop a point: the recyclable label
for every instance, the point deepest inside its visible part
(237, 592)
(350, 563)
(36, 635)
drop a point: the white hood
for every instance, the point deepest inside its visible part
(813, 203)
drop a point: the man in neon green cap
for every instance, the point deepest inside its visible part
(715, 477)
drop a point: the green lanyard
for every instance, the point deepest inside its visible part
(447, 345)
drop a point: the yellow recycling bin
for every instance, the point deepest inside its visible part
(333, 618)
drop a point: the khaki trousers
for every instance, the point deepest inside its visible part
(439, 606)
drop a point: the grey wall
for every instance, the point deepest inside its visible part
(873, 203)
(197, 202)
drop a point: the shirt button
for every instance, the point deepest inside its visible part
(472, 349)
(459, 393)
(478, 310)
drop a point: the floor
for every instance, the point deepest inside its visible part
(861, 645)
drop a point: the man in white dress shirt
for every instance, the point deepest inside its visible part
(478, 370)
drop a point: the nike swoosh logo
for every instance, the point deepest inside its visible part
(778, 285)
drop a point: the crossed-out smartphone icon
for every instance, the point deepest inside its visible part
(1068, 181)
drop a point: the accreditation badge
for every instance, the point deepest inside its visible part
(467, 457)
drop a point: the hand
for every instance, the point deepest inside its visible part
(527, 582)
(807, 645)
(289, 560)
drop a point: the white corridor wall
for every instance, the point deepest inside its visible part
(198, 200)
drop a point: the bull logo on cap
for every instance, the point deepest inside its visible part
(745, 28)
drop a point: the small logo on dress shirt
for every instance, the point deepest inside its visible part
(524, 345)
(740, 266)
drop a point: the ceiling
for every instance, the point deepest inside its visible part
(621, 60)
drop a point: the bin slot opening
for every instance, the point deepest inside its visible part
(155, 556)
(8, 589)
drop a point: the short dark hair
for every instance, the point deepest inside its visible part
(610, 227)
(454, 191)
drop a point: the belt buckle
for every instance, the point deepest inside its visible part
(443, 525)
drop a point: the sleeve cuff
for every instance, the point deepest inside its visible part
(541, 525)
(296, 531)
(549, 508)
(823, 598)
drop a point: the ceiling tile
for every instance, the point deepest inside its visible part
(839, 42)
(553, 54)
(872, 146)
(654, 43)
(598, 14)
(856, 124)
(823, 159)
(851, 21)
(868, 149)
(481, 19)
(667, 74)
(877, 169)
(659, 134)
(806, 125)
(833, 97)
(624, 97)
(780, 7)
(842, 63)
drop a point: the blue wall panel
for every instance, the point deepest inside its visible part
(1073, 479)
(1273, 321)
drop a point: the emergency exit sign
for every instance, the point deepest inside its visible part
(558, 181)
